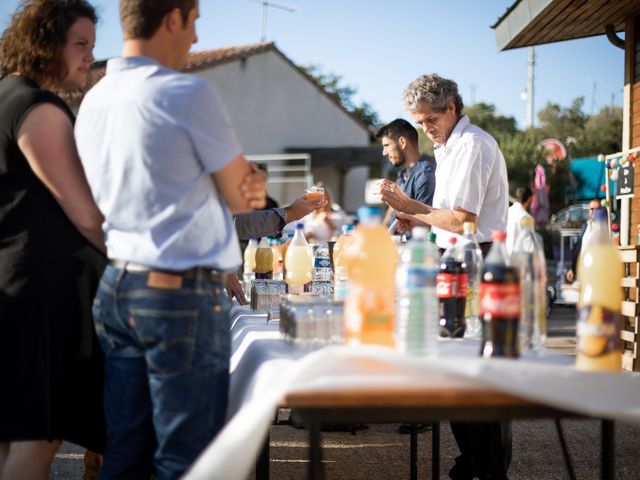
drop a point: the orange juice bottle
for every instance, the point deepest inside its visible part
(276, 249)
(299, 262)
(600, 272)
(285, 246)
(250, 256)
(341, 243)
(264, 260)
(371, 260)
(340, 274)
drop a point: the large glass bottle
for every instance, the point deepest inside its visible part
(472, 263)
(600, 272)
(528, 259)
(299, 262)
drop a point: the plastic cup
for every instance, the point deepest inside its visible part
(314, 193)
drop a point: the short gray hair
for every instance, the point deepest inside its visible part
(435, 91)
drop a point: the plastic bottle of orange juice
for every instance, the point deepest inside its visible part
(276, 249)
(299, 262)
(600, 271)
(341, 243)
(371, 260)
(264, 260)
(340, 274)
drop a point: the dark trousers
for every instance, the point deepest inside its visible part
(485, 450)
(485, 447)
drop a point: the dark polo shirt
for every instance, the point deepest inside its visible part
(419, 182)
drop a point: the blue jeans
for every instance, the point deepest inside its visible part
(166, 372)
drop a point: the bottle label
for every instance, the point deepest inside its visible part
(500, 300)
(322, 262)
(451, 285)
(417, 277)
(598, 331)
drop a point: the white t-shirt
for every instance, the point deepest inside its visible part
(516, 213)
(472, 175)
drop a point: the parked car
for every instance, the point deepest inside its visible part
(573, 216)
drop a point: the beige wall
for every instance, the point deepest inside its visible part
(273, 106)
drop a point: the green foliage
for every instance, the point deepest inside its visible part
(602, 133)
(343, 94)
(484, 116)
(521, 153)
(562, 123)
(583, 136)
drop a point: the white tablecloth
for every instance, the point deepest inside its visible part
(264, 368)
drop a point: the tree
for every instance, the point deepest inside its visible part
(602, 133)
(562, 123)
(484, 116)
(343, 94)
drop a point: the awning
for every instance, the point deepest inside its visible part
(535, 22)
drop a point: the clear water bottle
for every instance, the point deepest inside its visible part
(471, 256)
(416, 302)
(322, 272)
(528, 259)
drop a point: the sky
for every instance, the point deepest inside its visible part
(379, 47)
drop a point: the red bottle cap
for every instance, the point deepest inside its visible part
(453, 240)
(499, 235)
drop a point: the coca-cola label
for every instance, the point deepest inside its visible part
(500, 300)
(451, 285)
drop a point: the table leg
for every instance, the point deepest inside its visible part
(435, 451)
(565, 451)
(262, 463)
(413, 449)
(608, 444)
(315, 452)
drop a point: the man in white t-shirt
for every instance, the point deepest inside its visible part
(471, 186)
(517, 212)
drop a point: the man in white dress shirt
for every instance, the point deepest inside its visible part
(471, 186)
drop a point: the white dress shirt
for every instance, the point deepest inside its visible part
(472, 175)
(516, 213)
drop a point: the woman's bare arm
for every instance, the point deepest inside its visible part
(46, 140)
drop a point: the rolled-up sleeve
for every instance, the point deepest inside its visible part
(261, 223)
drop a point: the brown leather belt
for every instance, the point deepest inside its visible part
(215, 276)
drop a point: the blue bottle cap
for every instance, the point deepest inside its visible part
(600, 214)
(369, 211)
(299, 226)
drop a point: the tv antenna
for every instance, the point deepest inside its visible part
(266, 5)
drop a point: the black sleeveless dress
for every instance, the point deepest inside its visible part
(50, 360)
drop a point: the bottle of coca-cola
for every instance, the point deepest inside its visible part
(499, 302)
(451, 289)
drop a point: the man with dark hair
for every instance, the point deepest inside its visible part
(471, 186)
(167, 172)
(517, 211)
(416, 180)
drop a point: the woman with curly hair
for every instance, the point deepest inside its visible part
(50, 243)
